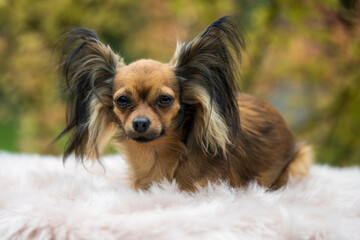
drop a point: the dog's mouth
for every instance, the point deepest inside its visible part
(146, 138)
(142, 140)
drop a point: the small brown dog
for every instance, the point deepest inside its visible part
(180, 120)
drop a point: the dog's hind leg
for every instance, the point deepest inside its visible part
(299, 166)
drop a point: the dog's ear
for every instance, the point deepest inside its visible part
(87, 68)
(206, 68)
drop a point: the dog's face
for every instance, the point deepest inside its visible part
(146, 99)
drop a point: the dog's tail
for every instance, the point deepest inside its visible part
(299, 166)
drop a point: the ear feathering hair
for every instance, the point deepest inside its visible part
(206, 68)
(88, 68)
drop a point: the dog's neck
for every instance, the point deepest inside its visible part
(155, 161)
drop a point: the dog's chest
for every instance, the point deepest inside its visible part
(149, 165)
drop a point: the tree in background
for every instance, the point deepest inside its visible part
(303, 56)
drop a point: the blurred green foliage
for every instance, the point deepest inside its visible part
(303, 56)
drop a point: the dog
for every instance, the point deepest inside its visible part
(182, 120)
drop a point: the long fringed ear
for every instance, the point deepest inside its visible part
(88, 68)
(206, 68)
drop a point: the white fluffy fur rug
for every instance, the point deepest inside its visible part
(42, 199)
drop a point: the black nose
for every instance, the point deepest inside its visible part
(141, 124)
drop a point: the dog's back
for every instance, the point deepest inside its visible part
(270, 149)
(263, 149)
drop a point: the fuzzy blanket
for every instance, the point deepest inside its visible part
(40, 198)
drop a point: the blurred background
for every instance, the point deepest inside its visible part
(302, 56)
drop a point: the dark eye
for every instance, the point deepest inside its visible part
(165, 100)
(123, 102)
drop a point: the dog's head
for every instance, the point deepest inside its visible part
(192, 96)
(146, 99)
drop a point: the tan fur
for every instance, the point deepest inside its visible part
(151, 163)
(210, 129)
(175, 57)
(101, 126)
(138, 79)
(300, 166)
